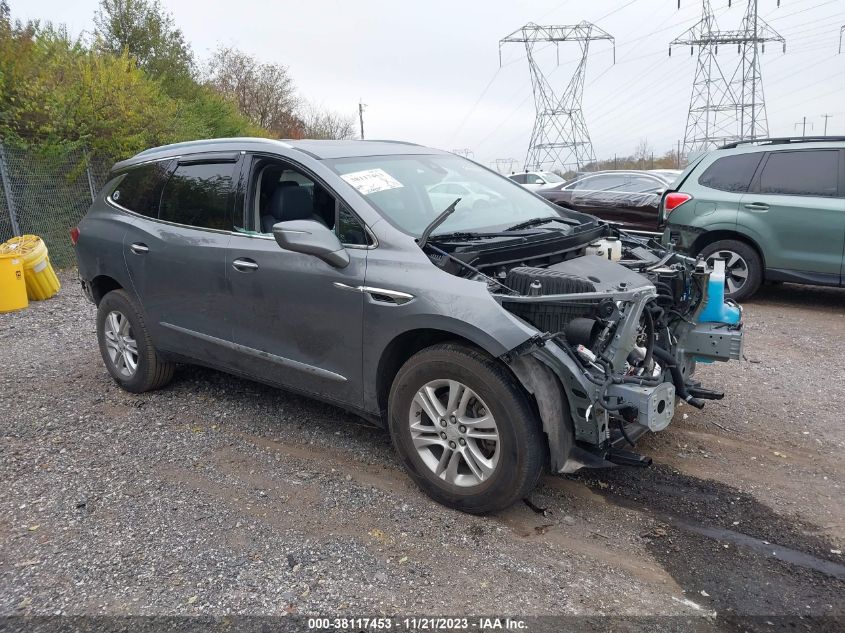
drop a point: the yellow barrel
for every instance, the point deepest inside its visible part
(12, 284)
(41, 280)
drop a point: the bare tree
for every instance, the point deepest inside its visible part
(264, 93)
(325, 124)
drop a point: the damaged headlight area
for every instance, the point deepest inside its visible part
(620, 339)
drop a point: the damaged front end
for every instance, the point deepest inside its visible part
(617, 342)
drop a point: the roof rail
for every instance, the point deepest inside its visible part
(784, 140)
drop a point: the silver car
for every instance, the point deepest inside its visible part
(492, 342)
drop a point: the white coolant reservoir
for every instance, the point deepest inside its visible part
(610, 247)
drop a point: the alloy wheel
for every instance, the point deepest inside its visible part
(454, 432)
(120, 343)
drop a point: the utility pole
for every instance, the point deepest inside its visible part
(559, 139)
(803, 125)
(726, 106)
(361, 107)
(841, 33)
(826, 117)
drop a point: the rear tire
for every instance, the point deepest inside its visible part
(473, 399)
(743, 267)
(126, 347)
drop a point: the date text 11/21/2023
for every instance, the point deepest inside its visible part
(425, 623)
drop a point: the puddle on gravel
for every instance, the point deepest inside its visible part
(730, 553)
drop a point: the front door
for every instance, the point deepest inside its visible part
(796, 206)
(297, 321)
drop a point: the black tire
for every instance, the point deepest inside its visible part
(521, 449)
(152, 371)
(752, 264)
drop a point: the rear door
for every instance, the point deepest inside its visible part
(796, 210)
(177, 259)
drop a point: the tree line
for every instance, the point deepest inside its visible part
(134, 82)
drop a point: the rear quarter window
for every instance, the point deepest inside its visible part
(140, 188)
(731, 173)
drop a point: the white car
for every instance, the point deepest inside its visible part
(444, 193)
(536, 179)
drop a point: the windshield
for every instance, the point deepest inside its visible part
(550, 176)
(410, 191)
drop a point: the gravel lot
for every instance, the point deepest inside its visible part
(221, 496)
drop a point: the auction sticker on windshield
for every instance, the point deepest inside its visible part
(371, 181)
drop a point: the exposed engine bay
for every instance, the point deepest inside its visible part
(621, 323)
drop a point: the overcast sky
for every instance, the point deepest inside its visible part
(429, 72)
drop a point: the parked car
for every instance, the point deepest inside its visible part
(534, 180)
(627, 198)
(489, 343)
(670, 175)
(773, 209)
(471, 195)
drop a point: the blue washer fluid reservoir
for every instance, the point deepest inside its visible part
(717, 310)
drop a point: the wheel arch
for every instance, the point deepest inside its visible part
(705, 239)
(401, 348)
(101, 285)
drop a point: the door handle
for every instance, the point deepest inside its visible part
(138, 248)
(244, 265)
(757, 206)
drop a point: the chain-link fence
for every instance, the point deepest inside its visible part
(47, 195)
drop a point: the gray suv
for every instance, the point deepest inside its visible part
(492, 342)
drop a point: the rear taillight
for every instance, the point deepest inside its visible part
(74, 235)
(673, 200)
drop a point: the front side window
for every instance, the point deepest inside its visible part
(401, 189)
(349, 229)
(731, 173)
(199, 195)
(140, 188)
(534, 179)
(801, 173)
(281, 193)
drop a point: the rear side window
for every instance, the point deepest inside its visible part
(140, 189)
(610, 182)
(803, 173)
(518, 178)
(199, 195)
(731, 173)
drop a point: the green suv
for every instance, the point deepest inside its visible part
(773, 209)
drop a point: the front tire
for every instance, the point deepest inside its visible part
(126, 347)
(464, 429)
(743, 267)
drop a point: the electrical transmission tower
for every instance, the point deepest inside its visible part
(465, 152)
(841, 33)
(505, 165)
(559, 138)
(726, 104)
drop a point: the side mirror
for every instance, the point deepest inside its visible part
(311, 238)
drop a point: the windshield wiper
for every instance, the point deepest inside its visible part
(473, 235)
(437, 222)
(536, 221)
